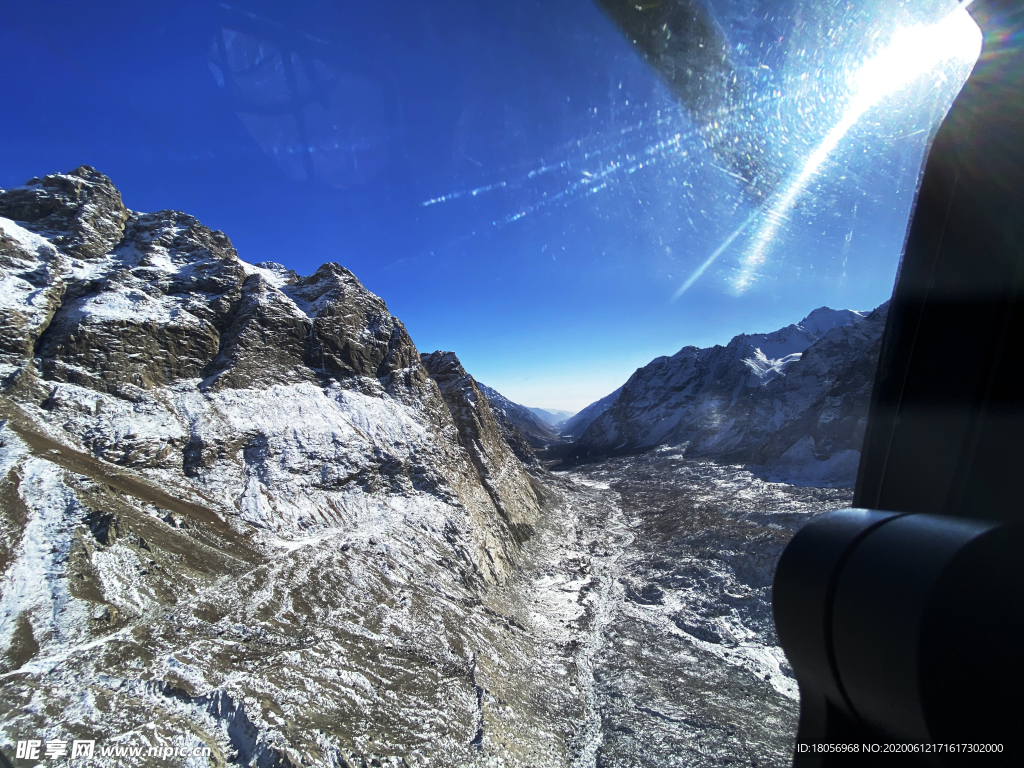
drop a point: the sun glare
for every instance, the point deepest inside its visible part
(911, 53)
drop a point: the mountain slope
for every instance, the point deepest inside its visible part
(522, 420)
(795, 398)
(554, 418)
(235, 497)
(577, 425)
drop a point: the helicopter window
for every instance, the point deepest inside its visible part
(591, 189)
(561, 192)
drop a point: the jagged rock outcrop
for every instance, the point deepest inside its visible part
(795, 400)
(81, 212)
(224, 482)
(172, 301)
(479, 434)
(521, 426)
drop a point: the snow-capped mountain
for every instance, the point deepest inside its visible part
(238, 497)
(795, 399)
(159, 349)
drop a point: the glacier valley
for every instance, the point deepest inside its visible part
(239, 510)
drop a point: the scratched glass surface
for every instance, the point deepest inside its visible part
(581, 183)
(831, 108)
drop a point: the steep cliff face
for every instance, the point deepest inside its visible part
(483, 440)
(795, 399)
(520, 425)
(237, 496)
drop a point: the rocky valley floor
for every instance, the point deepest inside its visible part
(636, 632)
(680, 645)
(660, 581)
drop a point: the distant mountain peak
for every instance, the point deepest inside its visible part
(823, 319)
(551, 416)
(764, 398)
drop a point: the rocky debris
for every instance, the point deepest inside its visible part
(520, 425)
(794, 401)
(688, 670)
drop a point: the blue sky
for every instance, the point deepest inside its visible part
(510, 177)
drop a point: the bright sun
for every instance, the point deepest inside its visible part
(912, 52)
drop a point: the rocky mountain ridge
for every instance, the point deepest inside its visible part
(158, 311)
(794, 400)
(237, 496)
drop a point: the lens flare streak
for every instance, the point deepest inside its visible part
(913, 52)
(679, 138)
(722, 248)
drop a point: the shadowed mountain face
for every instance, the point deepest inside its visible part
(794, 400)
(521, 424)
